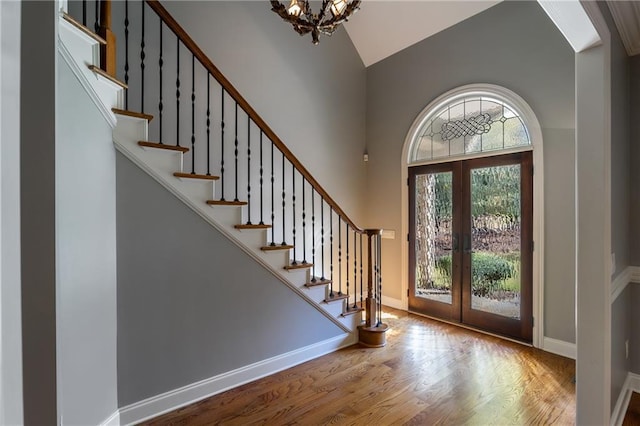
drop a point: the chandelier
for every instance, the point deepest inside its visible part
(331, 15)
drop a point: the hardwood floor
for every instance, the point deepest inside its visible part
(632, 416)
(429, 373)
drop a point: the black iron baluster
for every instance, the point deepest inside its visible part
(361, 285)
(236, 153)
(261, 180)
(379, 280)
(248, 170)
(304, 225)
(142, 56)
(84, 12)
(273, 214)
(339, 255)
(178, 92)
(126, 52)
(346, 269)
(193, 115)
(160, 104)
(293, 211)
(283, 205)
(331, 248)
(222, 144)
(355, 268)
(322, 236)
(208, 124)
(96, 24)
(313, 233)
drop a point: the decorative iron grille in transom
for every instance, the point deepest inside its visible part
(469, 124)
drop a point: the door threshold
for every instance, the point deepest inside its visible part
(478, 330)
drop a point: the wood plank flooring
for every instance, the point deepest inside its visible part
(430, 373)
(632, 416)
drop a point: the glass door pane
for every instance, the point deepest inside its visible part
(434, 236)
(496, 240)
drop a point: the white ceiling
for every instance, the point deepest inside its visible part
(376, 37)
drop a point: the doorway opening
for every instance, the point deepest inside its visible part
(473, 211)
(470, 243)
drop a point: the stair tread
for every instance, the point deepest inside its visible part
(335, 297)
(226, 203)
(163, 146)
(298, 265)
(195, 176)
(128, 113)
(317, 282)
(276, 247)
(104, 74)
(252, 226)
(70, 19)
(351, 311)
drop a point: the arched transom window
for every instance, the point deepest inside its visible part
(468, 122)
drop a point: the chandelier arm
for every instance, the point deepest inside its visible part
(279, 8)
(308, 22)
(323, 11)
(301, 30)
(308, 13)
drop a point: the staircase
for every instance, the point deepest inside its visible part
(182, 122)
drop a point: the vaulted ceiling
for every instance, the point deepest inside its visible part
(384, 27)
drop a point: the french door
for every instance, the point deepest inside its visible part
(470, 243)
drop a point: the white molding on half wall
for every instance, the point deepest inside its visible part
(559, 347)
(631, 384)
(169, 401)
(631, 274)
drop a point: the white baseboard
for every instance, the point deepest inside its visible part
(631, 384)
(169, 401)
(393, 303)
(112, 420)
(559, 347)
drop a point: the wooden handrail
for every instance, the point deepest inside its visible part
(190, 44)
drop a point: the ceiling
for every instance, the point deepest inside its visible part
(376, 37)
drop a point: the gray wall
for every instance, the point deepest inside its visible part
(620, 204)
(37, 210)
(313, 97)
(634, 351)
(620, 148)
(621, 330)
(10, 327)
(635, 158)
(191, 304)
(512, 44)
(635, 207)
(86, 256)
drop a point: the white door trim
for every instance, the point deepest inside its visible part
(538, 192)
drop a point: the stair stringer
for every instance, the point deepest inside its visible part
(161, 166)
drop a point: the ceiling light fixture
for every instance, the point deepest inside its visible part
(304, 21)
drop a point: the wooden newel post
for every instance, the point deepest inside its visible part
(372, 332)
(108, 51)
